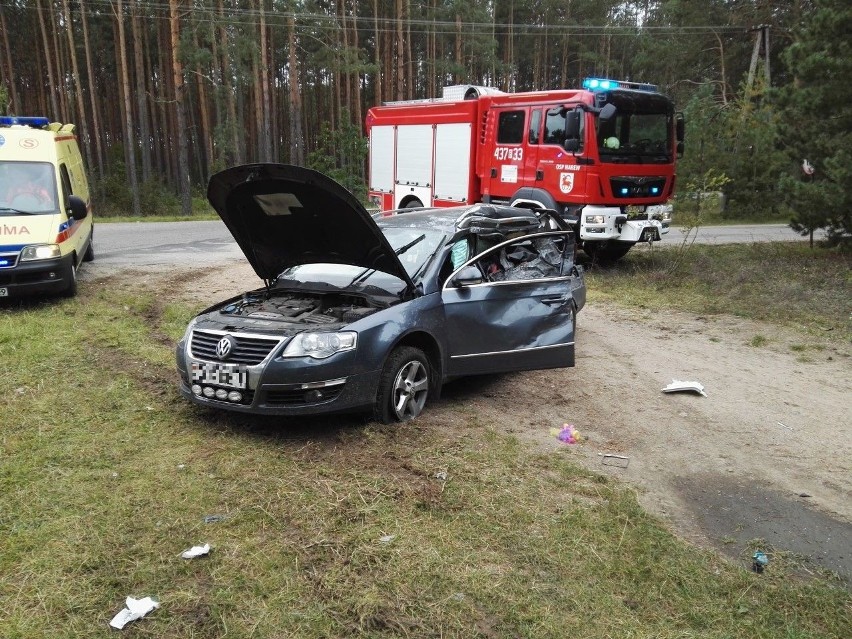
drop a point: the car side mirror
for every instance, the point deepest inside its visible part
(77, 207)
(468, 276)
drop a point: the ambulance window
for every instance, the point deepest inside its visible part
(510, 127)
(535, 126)
(66, 183)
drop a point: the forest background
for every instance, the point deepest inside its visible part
(165, 93)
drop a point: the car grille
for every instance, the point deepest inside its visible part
(301, 396)
(247, 350)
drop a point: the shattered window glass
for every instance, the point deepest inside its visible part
(529, 259)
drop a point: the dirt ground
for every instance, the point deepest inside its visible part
(766, 455)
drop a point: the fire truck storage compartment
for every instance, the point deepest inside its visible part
(452, 162)
(414, 155)
(381, 158)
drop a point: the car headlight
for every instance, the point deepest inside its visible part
(320, 345)
(40, 252)
(595, 219)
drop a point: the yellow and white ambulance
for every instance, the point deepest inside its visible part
(46, 227)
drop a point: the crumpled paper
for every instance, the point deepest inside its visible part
(196, 551)
(678, 386)
(136, 609)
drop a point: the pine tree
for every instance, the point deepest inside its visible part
(816, 127)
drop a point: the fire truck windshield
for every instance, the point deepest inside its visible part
(641, 130)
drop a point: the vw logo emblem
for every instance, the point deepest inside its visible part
(224, 347)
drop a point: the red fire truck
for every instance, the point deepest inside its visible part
(602, 156)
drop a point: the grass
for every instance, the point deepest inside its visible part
(106, 475)
(789, 284)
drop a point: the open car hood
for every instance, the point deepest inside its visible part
(283, 216)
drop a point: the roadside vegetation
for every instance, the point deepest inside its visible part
(784, 283)
(334, 527)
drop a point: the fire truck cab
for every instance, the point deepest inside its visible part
(602, 156)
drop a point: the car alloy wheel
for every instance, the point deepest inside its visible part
(404, 386)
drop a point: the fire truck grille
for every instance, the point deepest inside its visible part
(636, 187)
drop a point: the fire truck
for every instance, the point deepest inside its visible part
(603, 156)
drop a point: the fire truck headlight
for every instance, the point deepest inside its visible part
(39, 252)
(595, 219)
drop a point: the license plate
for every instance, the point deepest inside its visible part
(4, 292)
(228, 375)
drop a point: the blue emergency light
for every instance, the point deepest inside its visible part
(605, 84)
(34, 122)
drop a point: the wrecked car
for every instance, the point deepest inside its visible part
(363, 314)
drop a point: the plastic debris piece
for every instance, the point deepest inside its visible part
(214, 519)
(567, 434)
(608, 459)
(441, 475)
(678, 386)
(135, 609)
(387, 539)
(759, 561)
(196, 551)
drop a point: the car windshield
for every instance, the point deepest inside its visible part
(27, 187)
(414, 247)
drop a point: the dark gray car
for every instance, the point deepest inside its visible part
(363, 314)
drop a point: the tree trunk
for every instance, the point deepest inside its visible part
(78, 87)
(129, 136)
(297, 142)
(264, 141)
(141, 93)
(93, 98)
(377, 56)
(206, 140)
(180, 116)
(52, 89)
(14, 104)
(230, 95)
(399, 76)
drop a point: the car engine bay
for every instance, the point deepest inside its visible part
(301, 308)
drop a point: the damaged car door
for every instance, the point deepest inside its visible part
(516, 310)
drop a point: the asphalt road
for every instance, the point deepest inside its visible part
(158, 244)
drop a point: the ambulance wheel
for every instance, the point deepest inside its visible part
(71, 289)
(606, 251)
(89, 255)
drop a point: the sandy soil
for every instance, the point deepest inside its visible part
(767, 454)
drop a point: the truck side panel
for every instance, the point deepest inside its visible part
(452, 163)
(382, 158)
(414, 162)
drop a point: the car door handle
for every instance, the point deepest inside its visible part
(554, 301)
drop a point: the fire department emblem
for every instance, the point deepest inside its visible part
(566, 182)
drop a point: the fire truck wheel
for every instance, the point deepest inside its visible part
(414, 204)
(607, 251)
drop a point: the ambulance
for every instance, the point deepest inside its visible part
(46, 227)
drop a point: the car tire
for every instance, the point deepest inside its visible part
(403, 386)
(71, 289)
